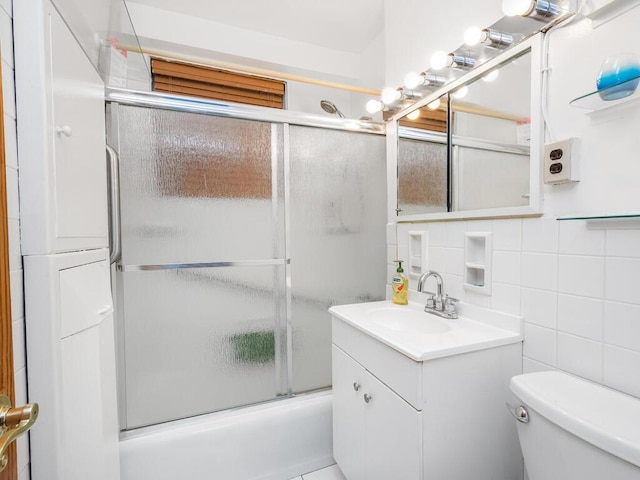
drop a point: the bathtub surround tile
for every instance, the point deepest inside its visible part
(581, 275)
(581, 316)
(507, 234)
(540, 235)
(622, 280)
(329, 473)
(622, 325)
(623, 243)
(25, 474)
(297, 478)
(540, 307)
(505, 298)
(621, 369)
(17, 294)
(507, 267)
(540, 270)
(454, 261)
(454, 234)
(580, 356)
(576, 239)
(19, 350)
(539, 344)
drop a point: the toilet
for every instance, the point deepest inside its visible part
(573, 429)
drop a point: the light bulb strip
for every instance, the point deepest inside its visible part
(494, 38)
(461, 61)
(545, 9)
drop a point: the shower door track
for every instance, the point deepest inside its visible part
(181, 266)
(234, 110)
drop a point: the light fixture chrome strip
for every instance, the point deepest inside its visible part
(185, 266)
(247, 112)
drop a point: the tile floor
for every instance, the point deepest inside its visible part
(329, 473)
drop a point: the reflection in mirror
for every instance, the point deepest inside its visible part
(490, 146)
(422, 160)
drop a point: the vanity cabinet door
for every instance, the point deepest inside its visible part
(348, 415)
(393, 432)
(376, 434)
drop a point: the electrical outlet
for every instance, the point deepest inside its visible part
(561, 161)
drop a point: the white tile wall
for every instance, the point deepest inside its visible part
(15, 258)
(577, 290)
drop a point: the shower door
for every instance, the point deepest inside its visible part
(237, 236)
(201, 282)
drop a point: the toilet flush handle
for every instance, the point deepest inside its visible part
(519, 413)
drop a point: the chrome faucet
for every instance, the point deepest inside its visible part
(438, 304)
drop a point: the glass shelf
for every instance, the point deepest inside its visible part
(594, 101)
(612, 222)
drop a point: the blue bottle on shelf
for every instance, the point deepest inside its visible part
(619, 77)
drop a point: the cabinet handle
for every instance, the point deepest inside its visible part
(367, 397)
(64, 130)
(356, 386)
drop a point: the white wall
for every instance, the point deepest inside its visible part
(15, 259)
(576, 288)
(187, 35)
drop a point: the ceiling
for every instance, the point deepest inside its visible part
(347, 25)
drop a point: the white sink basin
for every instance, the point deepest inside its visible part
(407, 320)
(422, 336)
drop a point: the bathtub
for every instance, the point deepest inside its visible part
(274, 441)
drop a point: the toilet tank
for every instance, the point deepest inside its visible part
(577, 429)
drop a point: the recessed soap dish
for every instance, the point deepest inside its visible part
(477, 262)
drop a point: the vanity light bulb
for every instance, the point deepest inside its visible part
(413, 80)
(491, 76)
(390, 95)
(472, 36)
(434, 105)
(374, 106)
(512, 8)
(414, 115)
(461, 93)
(439, 60)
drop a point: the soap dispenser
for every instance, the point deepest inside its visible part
(400, 286)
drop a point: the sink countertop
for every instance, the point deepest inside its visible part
(424, 336)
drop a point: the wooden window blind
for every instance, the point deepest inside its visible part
(215, 84)
(432, 120)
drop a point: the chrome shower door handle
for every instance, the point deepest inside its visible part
(113, 176)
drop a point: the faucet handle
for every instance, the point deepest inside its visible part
(450, 304)
(431, 301)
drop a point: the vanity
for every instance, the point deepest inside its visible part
(416, 396)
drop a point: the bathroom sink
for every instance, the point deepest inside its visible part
(399, 319)
(423, 336)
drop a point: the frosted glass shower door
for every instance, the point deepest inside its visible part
(201, 284)
(338, 243)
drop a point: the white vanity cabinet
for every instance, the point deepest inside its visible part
(377, 435)
(434, 414)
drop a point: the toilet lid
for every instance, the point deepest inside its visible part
(606, 418)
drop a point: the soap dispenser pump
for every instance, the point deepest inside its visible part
(400, 286)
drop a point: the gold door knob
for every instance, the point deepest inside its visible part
(13, 423)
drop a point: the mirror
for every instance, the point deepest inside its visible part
(476, 154)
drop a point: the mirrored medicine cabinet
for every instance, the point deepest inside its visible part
(473, 150)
